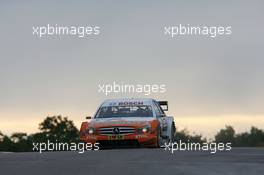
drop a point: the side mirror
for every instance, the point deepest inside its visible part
(162, 115)
(88, 117)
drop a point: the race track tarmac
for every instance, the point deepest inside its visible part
(242, 161)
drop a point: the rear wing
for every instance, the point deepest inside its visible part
(164, 105)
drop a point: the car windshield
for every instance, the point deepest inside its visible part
(124, 111)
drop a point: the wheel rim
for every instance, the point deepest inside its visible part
(160, 142)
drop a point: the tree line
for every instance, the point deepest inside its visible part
(53, 128)
(61, 129)
(253, 138)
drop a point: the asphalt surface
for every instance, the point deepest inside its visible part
(248, 161)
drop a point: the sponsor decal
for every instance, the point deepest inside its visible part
(91, 137)
(131, 103)
(140, 136)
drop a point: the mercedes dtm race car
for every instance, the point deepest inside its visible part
(129, 122)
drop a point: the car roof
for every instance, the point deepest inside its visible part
(117, 101)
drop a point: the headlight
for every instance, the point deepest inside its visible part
(144, 129)
(91, 131)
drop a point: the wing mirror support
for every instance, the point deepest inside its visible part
(162, 115)
(88, 117)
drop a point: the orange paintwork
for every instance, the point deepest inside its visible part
(148, 139)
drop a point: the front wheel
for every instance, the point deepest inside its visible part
(159, 140)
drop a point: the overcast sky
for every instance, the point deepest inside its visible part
(60, 75)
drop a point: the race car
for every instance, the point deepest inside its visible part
(129, 122)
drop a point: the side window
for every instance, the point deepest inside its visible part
(157, 110)
(161, 110)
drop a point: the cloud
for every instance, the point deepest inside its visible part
(203, 75)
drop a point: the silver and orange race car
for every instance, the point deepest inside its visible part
(129, 122)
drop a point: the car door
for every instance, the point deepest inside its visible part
(161, 118)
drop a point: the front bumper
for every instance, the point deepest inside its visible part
(145, 140)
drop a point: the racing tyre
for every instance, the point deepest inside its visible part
(173, 130)
(159, 140)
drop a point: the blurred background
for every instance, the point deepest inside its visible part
(210, 82)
